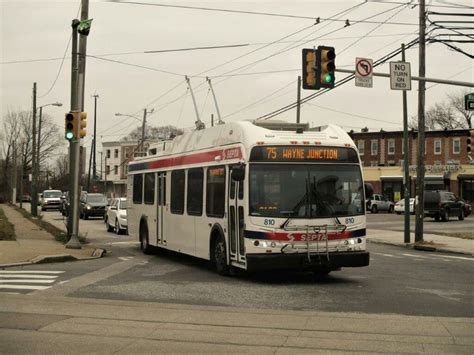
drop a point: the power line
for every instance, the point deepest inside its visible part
(200, 8)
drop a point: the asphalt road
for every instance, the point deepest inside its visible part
(398, 281)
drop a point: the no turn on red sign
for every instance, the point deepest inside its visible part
(400, 76)
(363, 72)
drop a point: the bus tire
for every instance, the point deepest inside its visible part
(219, 253)
(144, 244)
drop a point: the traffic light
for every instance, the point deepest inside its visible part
(83, 124)
(309, 72)
(470, 142)
(71, 126)
(325, 67)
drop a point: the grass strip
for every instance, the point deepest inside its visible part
(7, 230)
(58, 234)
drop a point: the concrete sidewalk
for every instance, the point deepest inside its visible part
(35, 245)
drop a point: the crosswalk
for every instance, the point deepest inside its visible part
(23, 281)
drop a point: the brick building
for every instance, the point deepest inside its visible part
(448, 166)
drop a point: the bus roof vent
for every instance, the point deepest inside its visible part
(277, 125)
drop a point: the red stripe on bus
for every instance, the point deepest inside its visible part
(206, 157)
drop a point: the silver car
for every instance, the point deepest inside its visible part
(116, 216)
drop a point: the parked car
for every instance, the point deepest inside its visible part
(116, 216)
(50, 199)
(400, 206)
(26, 198)
(380, 203)
(92, 205)
(442, 205)
(467, 207)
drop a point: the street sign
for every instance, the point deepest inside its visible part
(400, 76)
(363, 72)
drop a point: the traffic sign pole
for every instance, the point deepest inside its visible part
(406, 156)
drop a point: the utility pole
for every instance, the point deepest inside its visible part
(298, 100)
(15, 177)
(94, 167)
(420, 174)
(142, 143)
(105, 175)
(406, 157)
(39, 141)
(22, 171)
(34, 193)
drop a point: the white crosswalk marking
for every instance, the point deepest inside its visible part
(27, 280)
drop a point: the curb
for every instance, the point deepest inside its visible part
(44, 259)
(420, 247)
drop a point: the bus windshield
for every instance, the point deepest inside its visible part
(305, 191)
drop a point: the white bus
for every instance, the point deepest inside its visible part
(253, 196)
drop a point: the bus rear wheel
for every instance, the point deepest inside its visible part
(144, 245)
(220, 257)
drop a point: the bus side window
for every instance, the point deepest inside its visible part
(137, 189)
(195, 189)
(177, 191)
(149, 189)
(215, 192)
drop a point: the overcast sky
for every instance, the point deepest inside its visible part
(35, 35)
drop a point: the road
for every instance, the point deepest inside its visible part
(398, 281)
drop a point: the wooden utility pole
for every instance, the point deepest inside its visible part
(34, 193)
(420, 174)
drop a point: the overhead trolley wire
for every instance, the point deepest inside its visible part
(200, 8)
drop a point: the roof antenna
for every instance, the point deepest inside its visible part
(199, 124)
(215, 102)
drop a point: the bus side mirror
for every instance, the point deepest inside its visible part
(369, 191)
(238, 172)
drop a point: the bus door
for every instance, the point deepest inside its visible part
(236, 219)
(160, 206)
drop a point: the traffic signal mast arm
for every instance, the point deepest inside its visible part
(417, 78)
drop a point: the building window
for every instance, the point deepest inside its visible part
(108, 153)
(177, 191)
(116, 169)
(149, 196)
(437, 147)
(115, 153)
(374, 147)
(456, 145)
(107, 169)
(391, 146)
(195, 190)
(361, 147)
(137, 188)
(215, 196)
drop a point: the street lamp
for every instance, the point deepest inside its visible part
(58, 104)
(145, 112)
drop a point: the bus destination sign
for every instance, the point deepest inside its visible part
(299, 153)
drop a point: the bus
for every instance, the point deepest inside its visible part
(255, 196)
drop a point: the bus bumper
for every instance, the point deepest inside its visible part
(262, 262)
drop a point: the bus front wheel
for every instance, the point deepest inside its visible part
(220, 257)
(144, 245)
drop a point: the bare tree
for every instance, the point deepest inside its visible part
(449, 114)
(153, 133)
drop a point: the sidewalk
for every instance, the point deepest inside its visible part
(35, 245)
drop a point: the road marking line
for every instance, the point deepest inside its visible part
(24, 287)
(28, 281)
(29, 276)
(454, 257)
(415, 256)
(125, 258)
(389, 255)
(30, 272)
(128, 243)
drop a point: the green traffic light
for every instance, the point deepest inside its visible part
(328, 78)
(69, 135)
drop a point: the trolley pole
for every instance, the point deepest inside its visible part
(298, 100)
